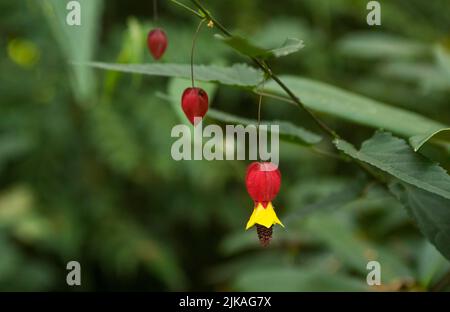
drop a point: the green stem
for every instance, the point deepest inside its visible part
(188, 8)
(259, 117)
(209, 17)
(299, 103)
(155, 11)
(259, 113)
(276, 97)
(193, 49)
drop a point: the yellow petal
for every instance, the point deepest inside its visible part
(263, 216)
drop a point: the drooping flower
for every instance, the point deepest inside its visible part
(194, 103)
(263, 183)
(157, 42)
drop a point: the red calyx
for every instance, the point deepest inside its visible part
(194, 103)
(263, 181)
(157, 43)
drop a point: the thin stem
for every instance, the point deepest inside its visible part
(259, 112)
(188, 8)
(259, 119)
(297, 101)
(209, 17)
(193, 48)
(155, 11)
(277, 97)
(259, 106)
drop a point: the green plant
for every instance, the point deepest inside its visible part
(406, 170)
(403, 165)
(84, 154)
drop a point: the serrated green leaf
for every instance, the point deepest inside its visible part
(244, 46)
(430, 211)
(315, 95)
(291, 45)
(287, 130)
(395, 156)
(327, 99)
(240, 75)
(269, 34)
(439, 135)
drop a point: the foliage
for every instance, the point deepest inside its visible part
(85, 165)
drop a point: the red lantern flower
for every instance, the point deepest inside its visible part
(157, 42)
(263, 182)
(194, 103)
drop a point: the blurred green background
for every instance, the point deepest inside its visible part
(86, 172)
